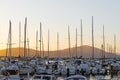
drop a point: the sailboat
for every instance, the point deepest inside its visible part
(25, 69)
(44, 77)
(76, 77)
(98, 68)
(12, 68)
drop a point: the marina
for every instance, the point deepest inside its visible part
(35, 67)
(60, 69)
(59, 40)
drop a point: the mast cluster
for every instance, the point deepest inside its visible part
(41, 45)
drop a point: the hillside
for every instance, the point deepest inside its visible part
(87, 52)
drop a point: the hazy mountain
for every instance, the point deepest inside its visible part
(86, 52)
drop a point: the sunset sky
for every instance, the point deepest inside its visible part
(56, 15)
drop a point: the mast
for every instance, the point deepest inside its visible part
(10, 40)
(40, 38)
(25, 37)
(92, 40)
(81, 39)
(76, 42)
(111, 51)
(102, 57)
(103, 44)
(48, 44)
(115, 45)
(107, 50)
(7, 44)
(28, 50)
(6, 52)
(28, 55)
(43, 46)
(57, 44)
(19, 38)
(69, 40)
(36, 43)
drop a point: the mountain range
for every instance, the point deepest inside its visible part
(84, 51)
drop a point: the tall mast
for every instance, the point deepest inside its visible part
(36, 43)
(28, 50)
(48, 44)
(10, 40)
(6, 51)
(57, 44)
(81, 39)
(40, 38)
(76, 42)
(111, 51)
(43, 46)
(28, 55)
(102, 57)
(19, 38)
(115, 45)
(92, 40)
(25, 37)
(107, 50)
(69, 40)
(103, 43)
